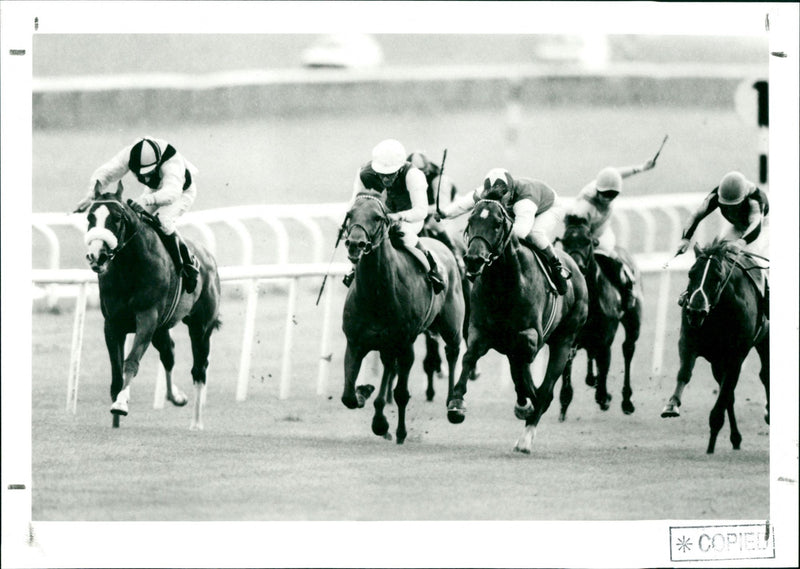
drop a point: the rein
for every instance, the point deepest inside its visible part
(116, 250)
(495, 250)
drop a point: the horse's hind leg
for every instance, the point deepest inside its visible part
(432, 364)
(565, 395)
(763, 354)
(632, 324)
(601, 394)
(727, 375)
(688, 359)
(405, 359)
(162, 341)
(201, 346)
(380, 426)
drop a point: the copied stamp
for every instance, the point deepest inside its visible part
(728, 542)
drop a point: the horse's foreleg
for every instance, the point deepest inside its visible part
(688, 359)
(477, 346)
(601, 394)
(145, 326)
(763, 354)
(380, 426)
(405, 360)
(591, 377)
(115, 343)
(352, 364)
(631, 323)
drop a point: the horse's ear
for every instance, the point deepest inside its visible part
(97, 189)
(696, 250)
(119, 190)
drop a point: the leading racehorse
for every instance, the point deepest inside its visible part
(605, 313)
(389, 304)
(141, 292)
(515, 311)
(721, 320)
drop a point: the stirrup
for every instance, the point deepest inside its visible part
(348, 279)
(436, 282)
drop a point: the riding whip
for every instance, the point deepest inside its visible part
(439, 185)
(660, 148)
(325, 278)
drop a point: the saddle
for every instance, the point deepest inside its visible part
(543, 264)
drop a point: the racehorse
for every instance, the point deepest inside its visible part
(605, 313)
(721, 320)
(390, 303)
(141, 292)
(515, 311)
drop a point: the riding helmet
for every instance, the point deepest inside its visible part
(733, 188)
(498, 178)
(608, 180)
(145, 156)
(388, 156)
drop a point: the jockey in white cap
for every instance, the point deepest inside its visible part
(406, 200)
(531, 204)
(169, 191)
(744, 206)
(594, 203)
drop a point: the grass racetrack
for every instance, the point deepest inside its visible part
(310, 458)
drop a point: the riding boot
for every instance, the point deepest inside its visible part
(433, 275)
(628, 298)
(348, 278)
(557, 271)
(191, 268)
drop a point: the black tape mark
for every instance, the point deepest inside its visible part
(36, 23)
(16, 51)
(766, 535)
(766, 22)
(779, 54)
(16, 487)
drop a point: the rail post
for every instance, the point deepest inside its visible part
(75, 353)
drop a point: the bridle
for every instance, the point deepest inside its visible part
(376, 238)
(122, 242)
(495, 250)
(701, 286)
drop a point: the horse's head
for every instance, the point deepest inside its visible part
(578, 241)
(708, 277)
(487, 234)
(366, 226)
(109, 226)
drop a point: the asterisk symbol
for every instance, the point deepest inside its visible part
(684, 544)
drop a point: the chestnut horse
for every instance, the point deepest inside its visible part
(722, 319)
(141, 292)
(515, 311)
(389, 304)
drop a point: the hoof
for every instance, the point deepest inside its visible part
(179, 401)
(350, 402)
(562, 416)
(522, 450)
(429, 395)
(604, 403)
(670, 410)
(363, 392)
(627, 407)
(196, 427)
(456, 412)
(380, 426)
(523, 412)
(119, 409)
(591, 380)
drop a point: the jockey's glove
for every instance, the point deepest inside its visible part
(145, 200)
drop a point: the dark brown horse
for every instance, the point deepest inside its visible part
(515, 311)
(389, 304)
(605, 313)
(141, 293)
(721, 320)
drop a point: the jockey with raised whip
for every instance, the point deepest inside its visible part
(532, 206)
(744, 206)
(406, 188)
(594, 203)
(170, 190)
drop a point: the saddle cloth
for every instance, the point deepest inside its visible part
(756, 271)
(543, 265)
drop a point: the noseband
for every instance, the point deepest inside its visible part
(380, 234)
(121, 241)
(701, 287)
(495, 249)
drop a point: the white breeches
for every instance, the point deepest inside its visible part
(607, 241)
(760, 246)
(411, 232)
(168, 214)
(545, 225)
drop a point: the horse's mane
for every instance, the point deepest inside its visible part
(494, 194)
(717, 247)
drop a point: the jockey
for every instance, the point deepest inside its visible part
(169, 191)
(405, 188)
(531, 204)
(744, 206)
(448, 189)
(594, 203)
